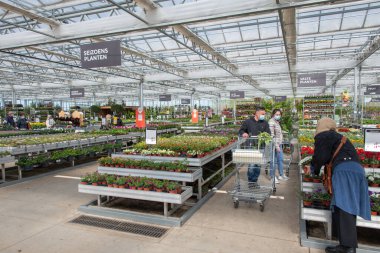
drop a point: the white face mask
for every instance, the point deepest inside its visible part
(262, 117)
(277, 117)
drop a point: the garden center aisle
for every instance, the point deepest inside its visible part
(34, 217)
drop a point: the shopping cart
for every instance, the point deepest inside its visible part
(252, 151)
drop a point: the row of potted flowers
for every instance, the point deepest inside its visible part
(373, 179)
(375, 203)
(65, 155)
(177, 166)
(316, 199)
(133, 183)
(183, 146)
(367, 159)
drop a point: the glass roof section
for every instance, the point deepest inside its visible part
(246, 52)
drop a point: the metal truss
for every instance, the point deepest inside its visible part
(369, 48)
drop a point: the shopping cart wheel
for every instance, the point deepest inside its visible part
(236, 203)
(262, 207)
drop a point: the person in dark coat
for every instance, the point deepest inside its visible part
(253, 127)
(350, 187)
(22, 122)
(10, 120)
(119, 122)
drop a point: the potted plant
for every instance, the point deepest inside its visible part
(121, 182)
(158, 185)
(110, 180)
(86, 179)
(307, 178)
(307, 199)
(148, 185)
(375, 209)
(172, 188)
(94, 179)
(25, 162)
(317, 179)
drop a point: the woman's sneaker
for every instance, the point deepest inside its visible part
(283, 178)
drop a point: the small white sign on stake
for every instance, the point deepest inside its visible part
(372, 140)
(151, 136)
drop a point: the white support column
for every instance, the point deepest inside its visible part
(356, 85)
(141, 101)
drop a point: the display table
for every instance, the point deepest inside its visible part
(4, 160)
(163, 197)
(313, 214)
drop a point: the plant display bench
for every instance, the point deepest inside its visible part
(3, 161)
(319, 215)
(163, 197)
(196, 163)
(191, 176)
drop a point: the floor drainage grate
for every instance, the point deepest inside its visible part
(123, 226)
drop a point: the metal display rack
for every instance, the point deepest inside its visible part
(312, 214)
(48, 147)
(196, 175)
(139, 194)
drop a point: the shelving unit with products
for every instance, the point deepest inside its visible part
(245, 109)
(316, 107)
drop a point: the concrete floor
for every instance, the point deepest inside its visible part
(34, 218)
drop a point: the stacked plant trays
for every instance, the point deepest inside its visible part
(178, 159)
(315, 206)
(37, 151)
(153, 181)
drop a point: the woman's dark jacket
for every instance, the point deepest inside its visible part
(325, 144)
(22, 123)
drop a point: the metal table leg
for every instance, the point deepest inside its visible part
(19, 173)
(99, 200)
(199, 189)
(165, 209)
(3, 172)
(223, 165)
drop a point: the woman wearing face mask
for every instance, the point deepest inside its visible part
(276, 132)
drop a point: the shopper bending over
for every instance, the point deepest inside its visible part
(350, 188)
(276, 132)
(253, 127)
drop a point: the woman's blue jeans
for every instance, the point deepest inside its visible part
(279, 157)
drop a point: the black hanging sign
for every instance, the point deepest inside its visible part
(102, 54)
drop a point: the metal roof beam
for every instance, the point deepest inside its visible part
(169, 16)
(369, 48)
(29, 14)
(289, 33)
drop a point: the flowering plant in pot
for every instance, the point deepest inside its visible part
(86, 179)
(317, 179)
(121, 182)
(172, 187)
(307, 198)
(110, 180)
(95, 179)
(159, 185)
(375, 208)
(307, 178)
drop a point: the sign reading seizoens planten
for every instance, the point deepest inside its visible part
(102, 54)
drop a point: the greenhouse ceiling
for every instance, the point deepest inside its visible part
(181, 47)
